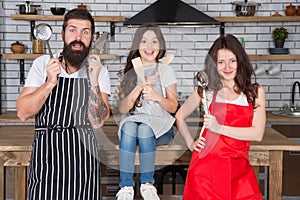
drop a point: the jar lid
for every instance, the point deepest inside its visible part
(291, 5)
(82, 6)
(17, 43)
(245, 3)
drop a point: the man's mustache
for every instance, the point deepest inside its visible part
(77, 42)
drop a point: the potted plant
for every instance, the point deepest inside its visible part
(279, 36)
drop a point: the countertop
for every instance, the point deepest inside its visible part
(11, 117)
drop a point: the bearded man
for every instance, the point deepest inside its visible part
(68, 94)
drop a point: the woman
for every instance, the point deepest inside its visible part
(146, 109)
(219, 168)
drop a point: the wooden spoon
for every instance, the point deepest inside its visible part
(168, 59)
(139, 68)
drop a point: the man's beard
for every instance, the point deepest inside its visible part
(75, 58)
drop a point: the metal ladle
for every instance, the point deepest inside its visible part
(202, 81)
(43, 32)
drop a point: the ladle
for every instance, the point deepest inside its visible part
(202, 81)
(43, 32)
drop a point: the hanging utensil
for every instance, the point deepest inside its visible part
(43, 32)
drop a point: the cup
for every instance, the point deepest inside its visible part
(260, 70)
(273, 70)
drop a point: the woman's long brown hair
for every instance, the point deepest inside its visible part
(244, 70)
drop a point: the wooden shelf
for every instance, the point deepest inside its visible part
(34, 56)
(122, 18)
(61, 18)
(275, 57)
(259, 19)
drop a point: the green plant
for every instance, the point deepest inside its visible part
(280, 33)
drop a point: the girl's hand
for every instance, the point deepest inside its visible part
(151, 80)
(53, 70)
(212, 124)
(198, 145)
(150, 94)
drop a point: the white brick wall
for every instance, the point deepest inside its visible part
(190, 45)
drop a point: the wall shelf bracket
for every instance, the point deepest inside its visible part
(22, 72)
(222, 28)
(112, 31)
(32, 25)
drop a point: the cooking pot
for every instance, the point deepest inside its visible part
(28, 8)
(245, 8)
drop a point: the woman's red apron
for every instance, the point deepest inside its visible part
(222, 171)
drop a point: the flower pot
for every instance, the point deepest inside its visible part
(279, 43)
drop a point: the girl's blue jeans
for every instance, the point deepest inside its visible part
(133, 134)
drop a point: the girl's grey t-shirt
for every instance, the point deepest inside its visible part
(152, 113)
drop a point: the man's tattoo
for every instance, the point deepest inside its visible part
(97, 107)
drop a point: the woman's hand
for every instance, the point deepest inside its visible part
(198, 145)
(210, 122)
(94, 69)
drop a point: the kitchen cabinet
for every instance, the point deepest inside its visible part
(258, 19)
(289, 127)
(291, 162)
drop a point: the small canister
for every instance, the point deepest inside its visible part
(37, 46)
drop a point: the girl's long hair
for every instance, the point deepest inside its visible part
(129, 77)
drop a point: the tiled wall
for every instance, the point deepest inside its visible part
(189, 45)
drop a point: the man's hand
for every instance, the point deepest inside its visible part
(53, 70)
(94, 69)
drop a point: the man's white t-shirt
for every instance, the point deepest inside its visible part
(37, 74)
